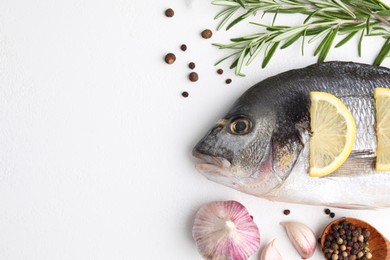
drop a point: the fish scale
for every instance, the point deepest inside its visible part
(270, 159)
(363, 111)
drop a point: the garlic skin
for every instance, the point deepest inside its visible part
(270, 252)
(302, 237)
(224, 230)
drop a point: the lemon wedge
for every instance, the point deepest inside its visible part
(333, 133)
(382, 106)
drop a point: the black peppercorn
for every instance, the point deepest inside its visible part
(206, 34)
(183, 47)
(228, 81)
(286, 212)
(185, 94)
(170, 58)
(169, 12)
(332, 215)
(191, 65)
(366, 233)
(220, 71)
(327, 211)
(193, 76)
(335, 227)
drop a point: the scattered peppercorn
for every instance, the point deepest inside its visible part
(183, 47)
(170, 58)
(220, 71)
(206, 34)
(332, 214)
(286, 212)
(169, 12)
(327, 211)
(185, 94)
(193, 76)
(228, 81)
(191, 65)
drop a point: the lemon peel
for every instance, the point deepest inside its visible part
(382, 106)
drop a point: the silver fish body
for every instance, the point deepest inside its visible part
(261, 146)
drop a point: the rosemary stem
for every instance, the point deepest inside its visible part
(381, 19)
(325, 19)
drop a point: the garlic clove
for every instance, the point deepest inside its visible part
(224, 230)
(270, 252)
(302, 237)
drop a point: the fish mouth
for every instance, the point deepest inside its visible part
(211, 164)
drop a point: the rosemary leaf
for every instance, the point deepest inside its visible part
(225, 3)
(368, 24)
(254, 55)
(290, 32)
(319, 35)
(346, 39)
(227, 57)
(240, 62)
(328, 44)
(344, 7)
(362, 10)
(227, 18)
(383, 13)
(234, 64)
(313, 14)
(246, 38)
(303, 42)
(353, 28)
(322, 44)
(274, 19)
(224, 12)
(240, 18)
(241, 3)
(290, 41)
(365, 3)
(270, 53)
(360, 44)
(383, 53)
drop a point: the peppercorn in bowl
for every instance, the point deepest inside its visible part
(353, 239)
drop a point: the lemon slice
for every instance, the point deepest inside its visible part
(382, 106)
(333, 133)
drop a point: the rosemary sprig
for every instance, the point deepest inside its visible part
(325, 19)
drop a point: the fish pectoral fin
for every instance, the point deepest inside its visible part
(285, 151)
(359, 162)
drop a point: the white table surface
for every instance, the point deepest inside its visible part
(95, 138)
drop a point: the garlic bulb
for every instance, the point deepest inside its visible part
(270, 252)
(302, 237)
(224, 230)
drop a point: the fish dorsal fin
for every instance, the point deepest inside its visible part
(358, 163)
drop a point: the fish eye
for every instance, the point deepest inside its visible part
(240, 125)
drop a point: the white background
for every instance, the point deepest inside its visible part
(95, 138)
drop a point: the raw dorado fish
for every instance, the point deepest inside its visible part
(261, 147)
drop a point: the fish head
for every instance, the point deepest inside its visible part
(237, 150)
